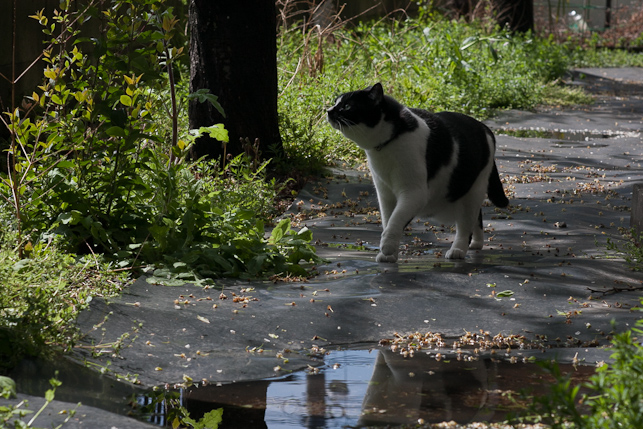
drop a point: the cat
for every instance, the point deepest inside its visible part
(438, 165)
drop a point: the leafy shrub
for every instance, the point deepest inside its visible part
(91, 162)
(99, 181)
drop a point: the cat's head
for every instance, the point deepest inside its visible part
(360, 116)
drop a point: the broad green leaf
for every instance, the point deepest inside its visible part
(7, 387)
(71, 217)
(50, 74)
(212, 419)
(305, 234)
(204, 95)
(115, 132)
(49, 395)
(216, 131)
(276, 235)
(255, 264)
(126, 100)
(65, 164)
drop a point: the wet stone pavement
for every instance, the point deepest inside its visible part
(546, 283)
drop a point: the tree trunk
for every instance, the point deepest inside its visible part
(518, 15)
(233, 53)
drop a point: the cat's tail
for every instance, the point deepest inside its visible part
(495, 192)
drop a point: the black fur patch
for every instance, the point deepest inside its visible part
(473, 154)
(360, 107)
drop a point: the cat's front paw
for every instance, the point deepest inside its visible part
(454, 253)
(388, 250)
(381, 257)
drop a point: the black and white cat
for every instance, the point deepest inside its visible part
(423, 164)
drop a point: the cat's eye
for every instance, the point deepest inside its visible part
(345, 107)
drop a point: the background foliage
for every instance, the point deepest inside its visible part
(427, 61)
(94, 163)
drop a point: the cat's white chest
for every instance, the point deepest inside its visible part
(402, 160)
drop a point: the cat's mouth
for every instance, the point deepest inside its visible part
(333, 122)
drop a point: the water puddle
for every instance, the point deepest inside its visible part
(357, 388)
(564, 138)
(349, 388)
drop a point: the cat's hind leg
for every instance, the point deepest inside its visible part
(458, 249)
(477, 237)
(468, 234)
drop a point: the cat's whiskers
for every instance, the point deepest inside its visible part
(352, 127)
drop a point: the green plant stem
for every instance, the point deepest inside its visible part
(35, 416)
(174, 116)
(11, 155)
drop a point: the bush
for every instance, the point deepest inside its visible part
(91, 162)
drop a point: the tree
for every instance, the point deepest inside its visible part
(518, 15)
(233, 53)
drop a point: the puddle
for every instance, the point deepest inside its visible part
(562, 135)
(562, 138)
(351, 388)
(572, 145)
(357, 388)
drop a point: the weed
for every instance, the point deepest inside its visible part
(165, 405)
(98, 182)
(41, 296)
(16, 415)
(89, 163)
(631, 248)
(614, 398)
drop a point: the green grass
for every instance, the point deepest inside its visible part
(429, 62)
(606, 58)
(42, 294)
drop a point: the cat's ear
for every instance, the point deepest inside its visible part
(376, 93)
